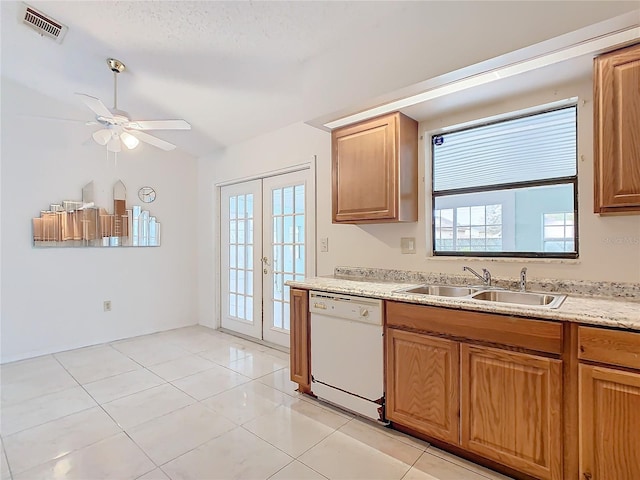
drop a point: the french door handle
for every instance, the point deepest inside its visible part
(265, 261)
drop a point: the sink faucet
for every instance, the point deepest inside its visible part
(523, 279)
(485, 277)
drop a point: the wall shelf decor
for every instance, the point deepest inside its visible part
(75, 223)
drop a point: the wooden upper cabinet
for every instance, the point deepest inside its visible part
(422, 388)
(375, 171)
(617, 131)
(609, 424)
(511, 409)
(300, 350)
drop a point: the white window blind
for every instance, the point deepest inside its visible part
(538, 147)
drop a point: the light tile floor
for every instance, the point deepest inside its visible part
(198, 404)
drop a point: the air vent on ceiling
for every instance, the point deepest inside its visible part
(41, 23)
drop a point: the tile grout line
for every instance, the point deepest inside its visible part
(285, 466)
(69, 452)
(304, 464)
(266, 441)
(196, 447)
(54, 419)
(458, 465)
(210, 396)
(6, 457)
(11, 404)
(318, 443)
(413, 464)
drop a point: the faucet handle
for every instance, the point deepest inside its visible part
(486, 276)
(523, 279)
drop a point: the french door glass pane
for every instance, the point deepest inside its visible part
(288, 247)
(288, 200)
(277, 202)
(299, 207)
(277, 314)
(299, 229)
(241, 257)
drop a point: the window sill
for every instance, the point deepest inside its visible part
(555, 261)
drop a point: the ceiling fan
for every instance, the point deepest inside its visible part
(118, 129)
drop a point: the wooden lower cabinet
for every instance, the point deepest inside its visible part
(511, 409)
(423, 383)
(609, 424)
(300, 350)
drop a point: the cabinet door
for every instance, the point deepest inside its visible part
(609, 424)
(364, 171)
(511, 409)
(422, 383)
(617, 131)
(299, 338)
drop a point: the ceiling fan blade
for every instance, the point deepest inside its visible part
(102, 136)
(96, 105)
(151, 140)
(58, 119)
(159, 125)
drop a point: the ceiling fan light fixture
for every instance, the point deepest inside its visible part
(102, 136)
(129, 140)
(116, 122)
(114, 144)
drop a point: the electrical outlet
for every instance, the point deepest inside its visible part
(324, 244)
(107, 305)
(408, 244)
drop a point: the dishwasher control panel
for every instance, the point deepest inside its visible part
(348, 307)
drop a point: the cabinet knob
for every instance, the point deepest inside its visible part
(586, 475)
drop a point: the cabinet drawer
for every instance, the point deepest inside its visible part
(538, 335)
(614, 347)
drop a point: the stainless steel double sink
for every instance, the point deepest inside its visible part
(486, 294)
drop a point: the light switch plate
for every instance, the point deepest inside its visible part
(408, 244)
(324, 244)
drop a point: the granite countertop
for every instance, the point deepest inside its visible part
(602, 311)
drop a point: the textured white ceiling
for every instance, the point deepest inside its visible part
(235, 70)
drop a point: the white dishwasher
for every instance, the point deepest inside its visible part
(347, 352)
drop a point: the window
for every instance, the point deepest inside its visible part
(476, 228)
(493, 183)
(558, 232)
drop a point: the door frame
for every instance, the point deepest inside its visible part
(311, 225)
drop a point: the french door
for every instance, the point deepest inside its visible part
(264, 226)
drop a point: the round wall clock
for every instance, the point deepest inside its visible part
(147, 194)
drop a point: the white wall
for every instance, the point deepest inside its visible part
(293, 145)
(52, 299)
(609, 246)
